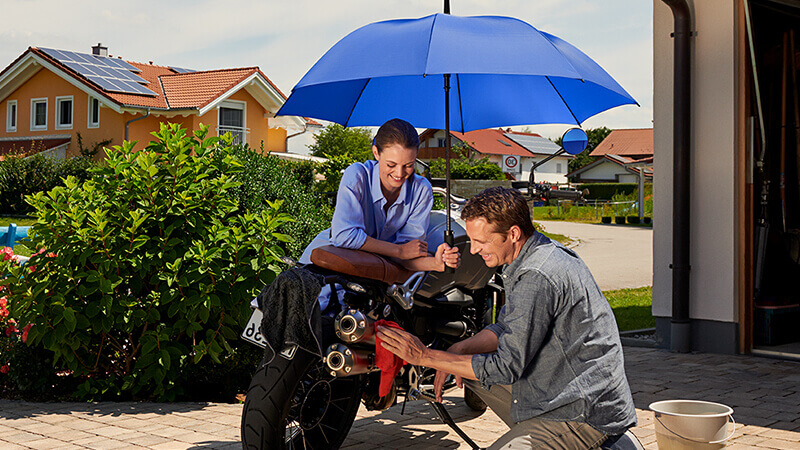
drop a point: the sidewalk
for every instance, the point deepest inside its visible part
(764, 393)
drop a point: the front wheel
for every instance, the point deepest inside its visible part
(297, 404)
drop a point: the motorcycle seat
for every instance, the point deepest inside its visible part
(358, 263)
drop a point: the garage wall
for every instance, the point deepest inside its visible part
(713, 159)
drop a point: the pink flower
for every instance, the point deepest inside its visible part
(3, 302)
(7, 253)
(11, 330)
(4, 369)
(25, 332)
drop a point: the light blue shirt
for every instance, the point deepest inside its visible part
(360, 213)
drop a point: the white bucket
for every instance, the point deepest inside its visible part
(692, 424)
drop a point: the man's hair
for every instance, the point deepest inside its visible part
(502, 208)
(396, 131)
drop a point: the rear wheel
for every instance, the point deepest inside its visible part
(296, 404)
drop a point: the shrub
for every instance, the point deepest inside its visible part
(619, 220)
(464, 166)
(24, 176)
(647, 220)
(633, 219)
(266, 178)
(149, 266)
(605, 219)
(605, 191)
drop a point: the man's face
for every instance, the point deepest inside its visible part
(495, 248)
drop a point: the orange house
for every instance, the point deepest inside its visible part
(48, 96)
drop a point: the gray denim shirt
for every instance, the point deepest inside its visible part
(559, 347)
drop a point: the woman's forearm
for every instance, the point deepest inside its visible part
(379, 247)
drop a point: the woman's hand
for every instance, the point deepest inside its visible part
(412, 249)
(447, 256)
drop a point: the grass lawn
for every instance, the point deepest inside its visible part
(632, 308)
(19, 249)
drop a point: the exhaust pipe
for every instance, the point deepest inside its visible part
(354, 326)
(343, 361)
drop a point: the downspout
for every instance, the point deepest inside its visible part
(134, 120)
(680, 327)
(305, 128)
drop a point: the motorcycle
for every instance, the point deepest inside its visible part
(299, 400)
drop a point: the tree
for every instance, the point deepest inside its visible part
(596, 136)
(336, 140)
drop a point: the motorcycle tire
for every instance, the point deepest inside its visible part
(472, 400)
(295, 404)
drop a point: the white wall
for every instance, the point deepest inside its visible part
(548, 171)
(299, 144)
(606, 170)
(713, 289)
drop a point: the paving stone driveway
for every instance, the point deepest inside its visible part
(764, 393)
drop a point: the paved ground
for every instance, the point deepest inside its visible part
(618, 256)
(764, 393)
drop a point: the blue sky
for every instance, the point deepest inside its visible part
(285, 38)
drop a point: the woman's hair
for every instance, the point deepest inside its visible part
(502, 208)
(396, 131)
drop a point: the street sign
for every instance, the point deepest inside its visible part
(512, 164)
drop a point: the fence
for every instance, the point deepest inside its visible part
(12, 235)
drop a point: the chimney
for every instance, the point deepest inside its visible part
(99, 50)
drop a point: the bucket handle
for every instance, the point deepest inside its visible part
(731, 419)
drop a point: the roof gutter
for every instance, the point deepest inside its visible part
(127, 124)
(305, 128)
(680, 327)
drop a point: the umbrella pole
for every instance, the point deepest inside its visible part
(448, 234)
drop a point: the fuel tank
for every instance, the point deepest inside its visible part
(473, 272)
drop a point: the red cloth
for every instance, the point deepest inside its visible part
(388, 362)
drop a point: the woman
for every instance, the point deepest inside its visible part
(383, 207)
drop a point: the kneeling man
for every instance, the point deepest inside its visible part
(552, 366)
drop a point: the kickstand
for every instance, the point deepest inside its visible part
(445, 416)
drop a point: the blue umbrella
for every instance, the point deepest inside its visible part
(504, 72)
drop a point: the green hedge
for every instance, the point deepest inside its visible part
(267, 178)
(148, 271)
(606, 191)
(20, 177)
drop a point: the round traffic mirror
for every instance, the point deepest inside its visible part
(574, 141)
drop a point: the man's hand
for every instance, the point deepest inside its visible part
(412, 249)
(441, 375)
(447, 256)
(403, 344)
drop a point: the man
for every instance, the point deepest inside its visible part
(552, 366)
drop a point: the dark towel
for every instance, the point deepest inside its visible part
(291, 312)
(388, 362)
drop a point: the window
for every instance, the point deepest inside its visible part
(11, 116)
(442, 142)
(231, 118)
(64, 113)
(38, 114)
(94, 113)
(558, 167)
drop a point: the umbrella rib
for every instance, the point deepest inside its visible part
(562, 100)
(460, 110)
(346, 122)
(428, 47)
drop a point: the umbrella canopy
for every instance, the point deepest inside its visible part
(504, 72)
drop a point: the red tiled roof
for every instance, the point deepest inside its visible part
(522, 133)
(630, 142)
(197, 89)
(190, 90)
(491, 142)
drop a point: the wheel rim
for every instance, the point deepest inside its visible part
(318, 409)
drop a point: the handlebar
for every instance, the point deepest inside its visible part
(460, 201)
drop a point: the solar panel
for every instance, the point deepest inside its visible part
(181, 70)
(109, 74)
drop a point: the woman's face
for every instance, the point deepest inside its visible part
(395, 165)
